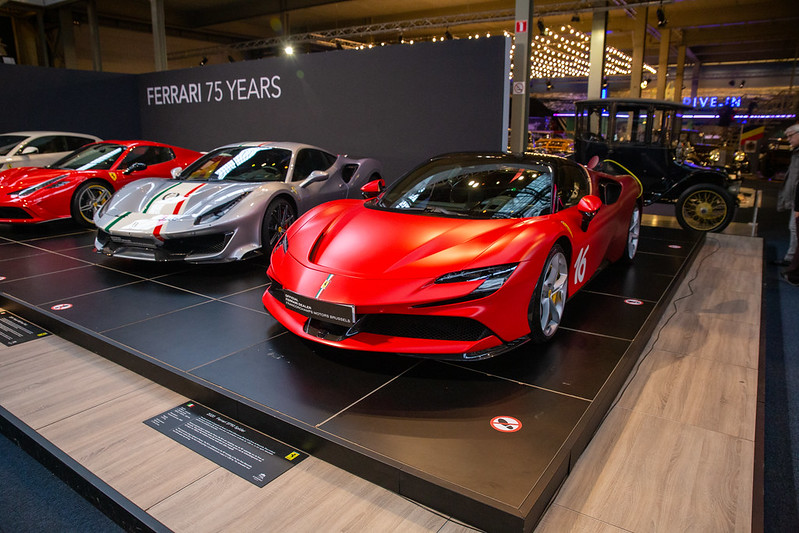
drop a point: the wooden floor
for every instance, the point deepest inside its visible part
(675, 453)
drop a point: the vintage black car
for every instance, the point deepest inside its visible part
(640, 137)
(775, 157)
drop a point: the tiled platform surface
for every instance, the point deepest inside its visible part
(417, 427)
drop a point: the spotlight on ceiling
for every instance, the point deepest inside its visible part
(575, 18)
(289, 50)
(549, 85)
(447, 35)
(661, 17)
(645, 83)
(741, 85)
(731, 83)
(203, 61)
(541, 27)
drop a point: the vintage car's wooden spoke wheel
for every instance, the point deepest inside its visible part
(549, 298)
(280, 214)
(87, 200)
(705, 208)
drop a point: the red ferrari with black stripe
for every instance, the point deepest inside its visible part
(79, 184)
(465, 257)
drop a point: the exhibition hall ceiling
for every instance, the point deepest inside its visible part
(714, 31)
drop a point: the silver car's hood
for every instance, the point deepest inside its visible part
(144, 204)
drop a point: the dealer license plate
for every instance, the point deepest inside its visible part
(328, 311)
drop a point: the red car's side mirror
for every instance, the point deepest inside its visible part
(589, 206)
(373, 188)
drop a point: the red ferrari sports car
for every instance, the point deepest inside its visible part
(79, 183)
(467, 256)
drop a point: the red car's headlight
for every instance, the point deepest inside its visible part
(493, 277)
(50, 184)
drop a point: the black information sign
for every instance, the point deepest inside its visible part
(251, 455)
(328, 311)
(14, 330)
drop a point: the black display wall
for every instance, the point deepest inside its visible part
(100, 103)
(399, 104)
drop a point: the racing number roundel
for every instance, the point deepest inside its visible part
(506, 424)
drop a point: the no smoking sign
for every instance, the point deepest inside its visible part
(506, 424)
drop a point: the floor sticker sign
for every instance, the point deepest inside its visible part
(247, 453)
(14, 330)
(506, 424)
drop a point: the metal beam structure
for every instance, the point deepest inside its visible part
(94, 35)
(398, 27)
(159, 34)
(520, 97)
(596, 70)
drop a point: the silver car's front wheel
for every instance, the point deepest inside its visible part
(549, 298)
(280, 214)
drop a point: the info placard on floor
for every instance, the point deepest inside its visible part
(15, 330)
(247, 453)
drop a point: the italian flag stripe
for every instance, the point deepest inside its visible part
(179, 206)
(117, 219)
(156, 197)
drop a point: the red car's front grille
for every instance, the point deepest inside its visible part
(14, 213)
(424, 327)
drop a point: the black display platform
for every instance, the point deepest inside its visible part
(420, 428)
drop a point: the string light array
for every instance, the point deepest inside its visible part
(554, 54)
(565, 55)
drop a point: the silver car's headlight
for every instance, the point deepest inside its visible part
(219, 211)
(493, 277)
(52, 183)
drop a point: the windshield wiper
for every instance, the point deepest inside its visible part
(441, 211)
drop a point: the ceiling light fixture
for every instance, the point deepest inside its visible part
(661, 14)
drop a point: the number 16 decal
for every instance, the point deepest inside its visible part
(579, 265)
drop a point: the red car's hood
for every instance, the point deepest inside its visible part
(15, 179)
(350, 239)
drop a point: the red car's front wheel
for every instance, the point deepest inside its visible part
(87, 200)
(549, 298)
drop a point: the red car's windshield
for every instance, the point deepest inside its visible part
(101, 156)
(474, 189)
